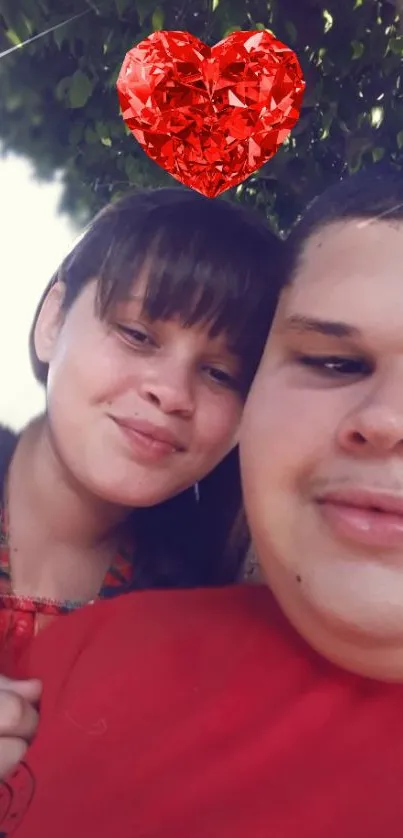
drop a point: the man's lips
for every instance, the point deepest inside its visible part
(364, 516)
(366, 499)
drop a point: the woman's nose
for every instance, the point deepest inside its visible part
(171, 388)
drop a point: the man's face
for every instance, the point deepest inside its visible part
(322, 448)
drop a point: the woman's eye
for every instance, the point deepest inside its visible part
(135, 336)
(222, 377)
(334, 365)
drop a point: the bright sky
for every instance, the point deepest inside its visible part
(34, 239)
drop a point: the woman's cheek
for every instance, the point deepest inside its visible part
(221, 421)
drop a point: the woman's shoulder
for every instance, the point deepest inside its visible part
(8, 441)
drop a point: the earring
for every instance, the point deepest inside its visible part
(251, 573)
(197, 492)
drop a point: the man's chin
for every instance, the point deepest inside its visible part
(361, 635)
(370, 648)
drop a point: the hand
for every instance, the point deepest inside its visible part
(18, 720)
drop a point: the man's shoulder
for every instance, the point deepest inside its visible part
(157, 615)
(164, 634)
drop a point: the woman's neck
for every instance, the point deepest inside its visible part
(62, 538)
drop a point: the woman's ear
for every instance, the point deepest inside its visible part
(49, 322)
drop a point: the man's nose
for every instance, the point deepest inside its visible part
(375, 425)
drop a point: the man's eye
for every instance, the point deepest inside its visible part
(334, 365)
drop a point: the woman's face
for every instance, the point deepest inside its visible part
(322, 448)
(138, 410)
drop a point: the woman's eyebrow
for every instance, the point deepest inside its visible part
(330, 328)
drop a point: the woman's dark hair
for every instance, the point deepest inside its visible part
(374, 193)
(207, 262)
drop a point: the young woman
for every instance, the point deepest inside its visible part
(147, 340)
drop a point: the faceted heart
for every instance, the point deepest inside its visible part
(210, 116)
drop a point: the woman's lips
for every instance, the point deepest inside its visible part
(145, 447)
(374, 520)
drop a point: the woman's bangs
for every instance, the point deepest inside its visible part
(190, 279)
(198, 270)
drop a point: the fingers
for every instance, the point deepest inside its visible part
(12, 751)
(18, 720)
(18, 717)
(30, 690)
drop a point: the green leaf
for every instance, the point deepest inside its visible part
(292, 32)
(14, 39)
(399, 139)
(131, 169)
(103, 133)
(144, 9)
(62, 34)
(230, 31)
(260, 27)
(378, 154)
(19, 24)
(101, 129)
(76, 134)
(121, 6)
(29, 26)
(356, 148)
(90, 136)
(377, 116)
(396, 46)
(158, 18)
(9, 13)
(112, 79)
(62, 89)
(326, 124)
(80, 89)
(14, 102)
(358, 49)
(59, 37)
(108, 42)
(328, 19)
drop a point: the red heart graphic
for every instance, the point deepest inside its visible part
(210, 116)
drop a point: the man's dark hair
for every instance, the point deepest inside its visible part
(374, 193)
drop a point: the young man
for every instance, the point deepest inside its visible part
(204, 713)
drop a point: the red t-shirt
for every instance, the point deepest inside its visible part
(201, 714)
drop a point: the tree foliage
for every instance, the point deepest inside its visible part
(59, 104)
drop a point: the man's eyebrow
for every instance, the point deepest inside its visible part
(329, 328)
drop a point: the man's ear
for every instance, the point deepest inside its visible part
(49, 322)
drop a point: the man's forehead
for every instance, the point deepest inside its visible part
(302, 323)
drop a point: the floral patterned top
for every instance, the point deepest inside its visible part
(21, 617)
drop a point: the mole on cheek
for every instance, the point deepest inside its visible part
(298, 578)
